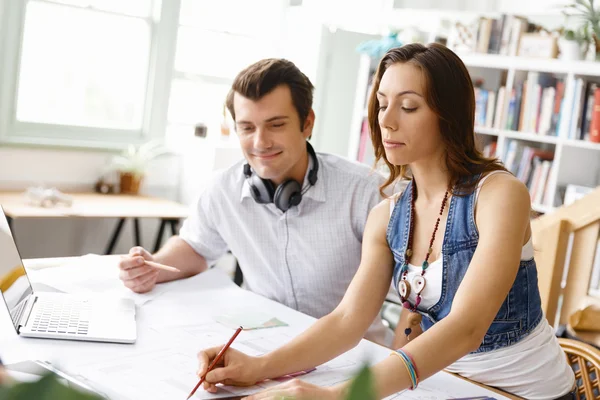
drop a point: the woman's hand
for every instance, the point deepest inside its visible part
(297, 390)
(235, 368)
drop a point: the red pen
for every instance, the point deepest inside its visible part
(215, 361)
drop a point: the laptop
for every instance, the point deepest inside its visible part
(55, 315)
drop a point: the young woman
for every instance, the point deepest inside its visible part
(456, 243)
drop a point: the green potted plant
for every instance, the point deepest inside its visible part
(133, 162)
(46, 388)
(586, 12)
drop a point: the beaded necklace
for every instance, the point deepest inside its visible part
(418, 282)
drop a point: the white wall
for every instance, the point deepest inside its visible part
(337, 90)
(378, 16)
(202, 157)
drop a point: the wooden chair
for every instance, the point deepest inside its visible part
(578, 223)
(585, 361)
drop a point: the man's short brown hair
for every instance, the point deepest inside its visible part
(262, 77)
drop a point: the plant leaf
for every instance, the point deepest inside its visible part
(46, 388)
(585, 4)
(362, 386)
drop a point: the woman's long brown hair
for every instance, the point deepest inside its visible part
(449, 93)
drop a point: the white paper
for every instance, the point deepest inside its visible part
(90, 274)
(170, 373)
(93, 274)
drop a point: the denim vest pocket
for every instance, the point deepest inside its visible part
(501, 332)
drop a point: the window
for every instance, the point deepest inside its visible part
(71, 75)
(215, 41)
(102, 73)
(81, 69)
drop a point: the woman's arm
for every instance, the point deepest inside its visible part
(333, 334)
(503, 221)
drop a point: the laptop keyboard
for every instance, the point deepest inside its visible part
(61, 316)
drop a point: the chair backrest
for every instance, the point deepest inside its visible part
(568, 236)
(585, 361)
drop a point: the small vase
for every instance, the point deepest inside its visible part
(130, 183)
(569, 49)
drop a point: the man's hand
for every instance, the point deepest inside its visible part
(134, 273)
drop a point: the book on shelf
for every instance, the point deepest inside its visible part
(481, 108)
(489, 109)
(483, 34)
(594, 128)
(540, 104)
(537, 105)
(489, 150)
(499, 107)
(532, 166)
(500, 35)
(586, 102)
(514, 109)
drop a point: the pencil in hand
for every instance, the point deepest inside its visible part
(215, 361)
(160, 266)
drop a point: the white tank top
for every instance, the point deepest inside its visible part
(533, 368)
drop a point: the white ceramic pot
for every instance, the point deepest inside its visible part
(569, 49)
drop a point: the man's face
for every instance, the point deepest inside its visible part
(270, 135)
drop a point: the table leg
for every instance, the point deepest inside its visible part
(136, 232)
(115, 236)
(174, 226)
(159, 235)
(161, 230)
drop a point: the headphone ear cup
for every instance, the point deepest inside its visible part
(262, 190)
(288, 194)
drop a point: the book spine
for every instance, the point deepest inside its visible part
(595, 124)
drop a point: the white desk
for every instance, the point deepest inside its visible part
(169, 338)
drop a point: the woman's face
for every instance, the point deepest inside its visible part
(409, 128)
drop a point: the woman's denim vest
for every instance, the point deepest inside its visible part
(520, 312)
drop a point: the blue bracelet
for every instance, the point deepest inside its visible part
(410, 366)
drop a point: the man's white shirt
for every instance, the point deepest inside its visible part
(304, 258)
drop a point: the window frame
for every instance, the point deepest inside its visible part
(163, 36)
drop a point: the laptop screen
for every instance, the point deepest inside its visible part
(14, 284)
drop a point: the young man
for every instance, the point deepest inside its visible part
(294, 219)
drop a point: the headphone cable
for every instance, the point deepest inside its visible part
(287, 241)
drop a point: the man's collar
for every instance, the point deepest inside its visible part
(316, 192)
